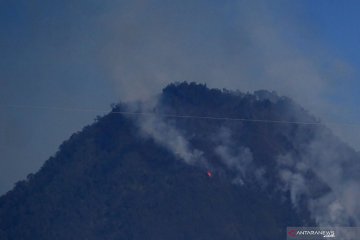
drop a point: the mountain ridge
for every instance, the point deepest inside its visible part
(144, 176)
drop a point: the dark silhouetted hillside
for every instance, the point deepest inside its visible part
(126, 177)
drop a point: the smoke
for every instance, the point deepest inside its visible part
(92, 53)
(237, 158)
(338, 166)
(169, 137)
(246, 45)
(294, 182)
(319, 170)
(152, 125)
(239, 161)
(335, 165)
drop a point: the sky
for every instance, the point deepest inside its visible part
(61, 58)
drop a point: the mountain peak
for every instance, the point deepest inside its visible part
(146, 175)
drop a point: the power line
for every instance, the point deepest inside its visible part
(168, 115)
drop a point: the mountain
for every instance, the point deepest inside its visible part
(193, 163)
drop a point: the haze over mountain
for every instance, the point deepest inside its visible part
(191, 163)
(62, 56)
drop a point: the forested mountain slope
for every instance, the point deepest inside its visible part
(197, 163)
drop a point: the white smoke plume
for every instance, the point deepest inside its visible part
(169, 137)
(333, 164)
(337, 166)
(238, 158)
(153, 125)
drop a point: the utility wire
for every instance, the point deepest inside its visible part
(136, 113)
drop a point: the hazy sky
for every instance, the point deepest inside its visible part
(89, 54)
